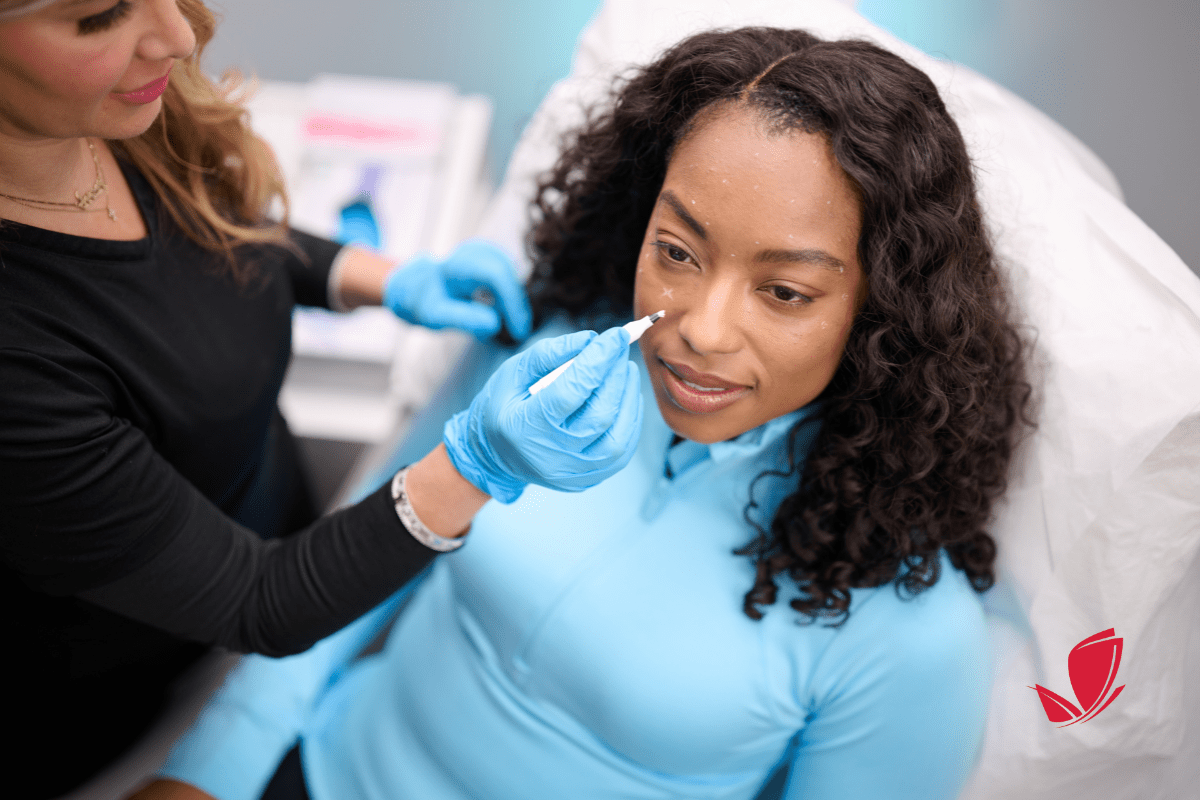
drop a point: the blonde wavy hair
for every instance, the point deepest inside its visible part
(215, 177)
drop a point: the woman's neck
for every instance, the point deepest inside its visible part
(45, 169)
(53, 171)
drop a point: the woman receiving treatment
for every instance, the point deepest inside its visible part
(788, 569)
(151, 501)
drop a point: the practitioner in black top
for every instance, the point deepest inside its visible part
(151, 503)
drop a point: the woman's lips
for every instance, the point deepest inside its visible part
(697, 392)
(147, 93)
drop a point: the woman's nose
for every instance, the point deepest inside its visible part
(170, 34)
(712, 319)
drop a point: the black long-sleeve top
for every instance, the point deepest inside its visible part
(151, 503)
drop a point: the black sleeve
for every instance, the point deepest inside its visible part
(92, 510)
(310, 274)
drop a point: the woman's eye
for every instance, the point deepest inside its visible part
(790, 296)
(105, 19)
(673, 252)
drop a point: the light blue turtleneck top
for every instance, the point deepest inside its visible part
(593, 645)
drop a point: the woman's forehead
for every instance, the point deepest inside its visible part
(735, 163)
(740, 140)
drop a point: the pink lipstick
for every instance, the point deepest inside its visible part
(148, 93)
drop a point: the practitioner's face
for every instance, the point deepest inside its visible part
(69, 70)
(752, 251)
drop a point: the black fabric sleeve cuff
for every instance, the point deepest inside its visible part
(310, 280)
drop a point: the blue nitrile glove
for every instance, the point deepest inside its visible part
(357, 225)
(440, 294)
(572, 435)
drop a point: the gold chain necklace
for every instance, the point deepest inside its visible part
(82, 199)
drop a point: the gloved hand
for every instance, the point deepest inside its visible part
(441, 294)
(572, 435)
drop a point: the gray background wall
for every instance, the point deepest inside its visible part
(1121, 75)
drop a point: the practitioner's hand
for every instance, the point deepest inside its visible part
(572, 435)
(445, 294)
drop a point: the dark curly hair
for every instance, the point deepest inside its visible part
(921, 418)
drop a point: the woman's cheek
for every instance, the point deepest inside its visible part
(639, 291)
(656, 289)
(647, 285)
(846, 321)
(104, 72)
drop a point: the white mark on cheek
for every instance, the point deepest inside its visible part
(668, 293)
(824, 325)
(845, 297)
(693, 202)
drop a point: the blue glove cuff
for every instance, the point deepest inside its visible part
(467, 450)
(401, 287)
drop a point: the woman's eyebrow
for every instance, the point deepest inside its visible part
(670, 199)
(818, 258)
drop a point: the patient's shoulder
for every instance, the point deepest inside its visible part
(898, 699)
(893, 641)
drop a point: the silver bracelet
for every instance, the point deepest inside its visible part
(410, 520)
(333, 284)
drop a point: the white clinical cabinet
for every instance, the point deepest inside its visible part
(416, 151)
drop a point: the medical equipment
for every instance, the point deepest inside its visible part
(635, 330)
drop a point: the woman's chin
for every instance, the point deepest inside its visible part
(129, 121)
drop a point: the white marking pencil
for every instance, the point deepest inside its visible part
(635, 330)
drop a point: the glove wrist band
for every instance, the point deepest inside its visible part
(410, 520)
